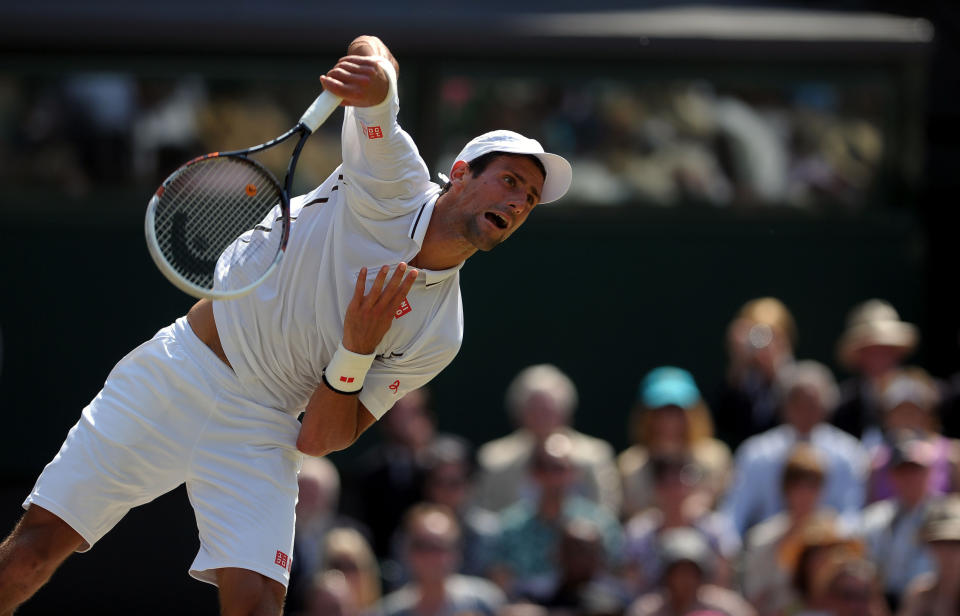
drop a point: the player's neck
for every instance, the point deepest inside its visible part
(443, 245)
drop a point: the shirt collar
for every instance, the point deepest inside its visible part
(418, 229)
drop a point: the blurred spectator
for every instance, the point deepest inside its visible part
(387, 478)
(432, 551)
(677, 504)
(448, 479)
(328, 594)
(687, 560)
(808, 392)
(541, 400)
(760, 340)
(525, 562)
(845, 585)
(584, 586)
(348, 552)
(670, 418)
(891, 527)
(770, 545)
(319, 493)
(908, 401)
(873, 346)
(821, 543)
(938, 593)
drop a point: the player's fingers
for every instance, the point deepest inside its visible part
(378, 283)
(361, 284)
(390, 291)
(408, 281)
(403, 288)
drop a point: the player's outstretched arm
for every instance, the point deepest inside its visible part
(358, 78)
(334, 420)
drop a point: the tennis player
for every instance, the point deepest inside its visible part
(364, 307)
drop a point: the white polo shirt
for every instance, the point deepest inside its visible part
(372, 211)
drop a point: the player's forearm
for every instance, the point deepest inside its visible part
(331, 422)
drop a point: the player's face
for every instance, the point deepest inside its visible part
(498, 201)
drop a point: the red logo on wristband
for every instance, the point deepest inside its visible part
(395, 386)
(346, 379)
(403, 309)
(374, 132)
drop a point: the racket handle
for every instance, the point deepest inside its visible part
(320, 110)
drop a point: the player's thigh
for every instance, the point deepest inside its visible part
(247, 592)
(243, 488)
(131, 443)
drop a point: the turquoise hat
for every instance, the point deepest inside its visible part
(668, 386)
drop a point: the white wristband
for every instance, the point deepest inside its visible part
(346, 370)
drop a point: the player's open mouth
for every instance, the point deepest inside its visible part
(497, 220)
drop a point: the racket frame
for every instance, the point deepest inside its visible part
(196, 290)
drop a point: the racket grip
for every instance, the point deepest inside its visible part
(320, 110)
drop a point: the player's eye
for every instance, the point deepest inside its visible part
(510, 180)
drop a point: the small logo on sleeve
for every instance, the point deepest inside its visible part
(394, 387)
(403, 309)
(282, 560)
(374, 132)
(346, 379)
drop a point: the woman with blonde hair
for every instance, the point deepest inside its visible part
(760, 340)
(346, 550)
(670, 418)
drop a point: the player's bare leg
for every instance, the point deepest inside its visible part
(28, 557)
(247, 593)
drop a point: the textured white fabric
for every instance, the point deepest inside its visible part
(172, 413)
(372, 211)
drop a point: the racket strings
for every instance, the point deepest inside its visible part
(212, 218)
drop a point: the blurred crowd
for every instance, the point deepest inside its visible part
(769, 141)
(671, 140)
(783, 493)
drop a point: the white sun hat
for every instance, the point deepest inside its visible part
(559, 172)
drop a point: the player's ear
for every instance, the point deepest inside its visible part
(459, 171)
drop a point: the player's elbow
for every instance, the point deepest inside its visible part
(321, 446)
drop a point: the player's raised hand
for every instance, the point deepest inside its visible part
(370, 315)
(359, 80)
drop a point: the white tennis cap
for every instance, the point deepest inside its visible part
(559, 172)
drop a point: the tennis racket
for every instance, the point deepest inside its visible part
(225, 211)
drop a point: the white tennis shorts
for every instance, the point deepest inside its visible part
(169, 413)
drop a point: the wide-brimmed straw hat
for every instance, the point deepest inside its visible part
(875, 322)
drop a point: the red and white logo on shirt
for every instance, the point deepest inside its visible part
(403, 309)
(282, 559)
(374, 132)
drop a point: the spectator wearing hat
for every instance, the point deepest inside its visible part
(908, 401)
(671, 418)
(684, 587)
(891, 526)
(760, 340)
(874, 344)
(845, 585)
(821, 541)
(938, 593)
(541, 400)
(771, 545)
(807, 391)
(676, 504)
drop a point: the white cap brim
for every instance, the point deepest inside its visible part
(559, 172)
